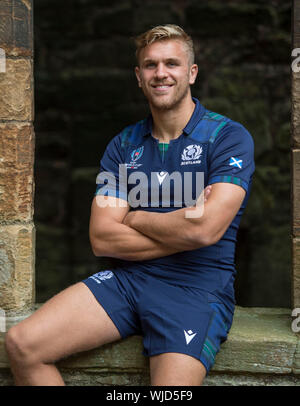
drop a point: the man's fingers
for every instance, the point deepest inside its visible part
(207, 191)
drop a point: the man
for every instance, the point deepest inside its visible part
(173, 282)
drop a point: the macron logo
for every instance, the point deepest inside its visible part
(189, 335)
(161, 176)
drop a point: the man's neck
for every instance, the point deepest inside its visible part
(168, 124)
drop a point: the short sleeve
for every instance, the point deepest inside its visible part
(231, 157)
(111, 179)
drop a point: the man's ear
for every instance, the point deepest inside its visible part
(138, 76)
(193, 73)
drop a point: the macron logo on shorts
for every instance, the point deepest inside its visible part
(189, 335)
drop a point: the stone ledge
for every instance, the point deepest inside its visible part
(260, 342)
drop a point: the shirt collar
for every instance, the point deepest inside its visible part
(197, 115)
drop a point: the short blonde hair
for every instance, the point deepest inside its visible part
(161, 33)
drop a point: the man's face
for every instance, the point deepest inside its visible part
(165, 73)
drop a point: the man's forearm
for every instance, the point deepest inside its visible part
(193, 227)
(123, 242)
(172, 228)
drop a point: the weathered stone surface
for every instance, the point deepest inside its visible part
(296, 109)
(296, 162)
(296, 190)
(17, 257)
(296, 273)
(296, 366)
(16, 27)
(125, 355)
(16, 172)
(83, 378)
(16, 90)
(260, 351)
(251, 380)
(260, 341)
(296, 24)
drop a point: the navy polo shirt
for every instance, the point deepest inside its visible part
(212, 148)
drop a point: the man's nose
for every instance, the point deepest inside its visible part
(161, 71)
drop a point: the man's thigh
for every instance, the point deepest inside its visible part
(72, 321)
(175, 369)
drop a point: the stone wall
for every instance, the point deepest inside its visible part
(17, 232)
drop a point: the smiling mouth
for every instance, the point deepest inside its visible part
(161, 87)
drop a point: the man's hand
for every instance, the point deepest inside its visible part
(130, 217)
(207, 191)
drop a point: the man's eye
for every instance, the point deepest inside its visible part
(150, 65)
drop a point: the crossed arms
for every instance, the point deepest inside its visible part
(139, 235)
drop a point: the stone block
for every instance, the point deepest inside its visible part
(125, 355)
(229, 379)
(16, 172)
(17, 263)
(80, 378)
(296, 273)
(296, 78)
(296, 366)
(16, 27)
(16, 90)
(296, 24)
(296, 109)
(260, 341)
(296, 192)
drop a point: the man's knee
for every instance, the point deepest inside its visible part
(176, 369)
(18, 345)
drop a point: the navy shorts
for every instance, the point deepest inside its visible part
(170, 318)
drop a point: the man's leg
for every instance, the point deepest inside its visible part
(70, 322)
(175, 369)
